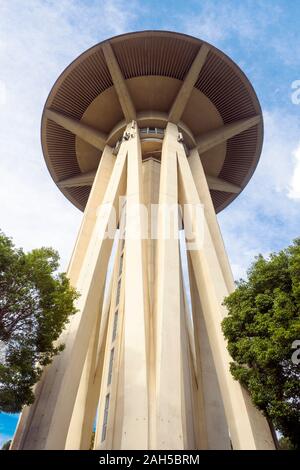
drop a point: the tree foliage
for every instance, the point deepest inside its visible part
(6, 445)
(35, 303)
(284, 443)
(263, 323)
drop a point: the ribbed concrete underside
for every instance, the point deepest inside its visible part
(161, 54)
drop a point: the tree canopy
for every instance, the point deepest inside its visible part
(35, 304)
(261, 327)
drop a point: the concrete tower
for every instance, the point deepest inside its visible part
(158, 118)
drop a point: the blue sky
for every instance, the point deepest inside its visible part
(39, 38)
(8, 423)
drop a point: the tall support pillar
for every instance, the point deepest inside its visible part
(135, 408)
(195, 379)
(124, 398)
(151, 175)
(35, 420)
(81, 426)
(248, 429)
(57, 405)
(110, 405)
(168, 303)
(211, 416)
(200, 181)
(97, 193)
(90, 285)
(187, 373)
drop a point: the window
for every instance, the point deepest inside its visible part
(111, 360)
(115, 325)
(123, 240)
(121, 263)
(104, 427)
(152, 130)
(118, 292)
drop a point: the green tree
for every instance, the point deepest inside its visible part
(262, 324)
(285, 444)
(6, 445)
(92, 441)
(35, 304)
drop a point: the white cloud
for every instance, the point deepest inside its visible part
(3, 93)
(38, 39)
(264, 218)
(277, 162)
(294, 192)
(217, 21)
(287, 47)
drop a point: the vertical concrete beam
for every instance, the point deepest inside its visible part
(35, 427)
(79, 426)
(168, 303)
(213, 433)
(151, 173)
(116, 413)
(84, 412)
(248, 430)
(195, 377)
(26, 417)
(187, 370)
(97, 193)
(135, 419)
(90, 284)
(108, 411)
(210, 215)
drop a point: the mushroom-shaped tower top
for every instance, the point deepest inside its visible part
(152, 77)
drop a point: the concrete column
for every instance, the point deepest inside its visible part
(151, 174)
(213, 433)
(90, 284)
(84, 412)
(187, 372)
(97, 193)
(136, 309)
(79, 426)
(210, 215)
(33, 430)
(195, 377)
(108, 412)
(248, 429)
(168, 303)
(26, 417)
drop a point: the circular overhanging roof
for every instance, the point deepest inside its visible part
(154, 65)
